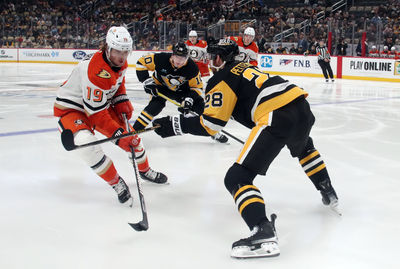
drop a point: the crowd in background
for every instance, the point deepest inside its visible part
(83, 24)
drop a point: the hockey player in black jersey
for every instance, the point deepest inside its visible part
(278, 114)
(175, 76)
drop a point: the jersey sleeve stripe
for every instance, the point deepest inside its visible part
(271, 104)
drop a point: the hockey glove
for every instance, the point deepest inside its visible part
(187, 105)
(150, 87)
(126, 142)
(190, 104)
(169, 126)
(122, 105)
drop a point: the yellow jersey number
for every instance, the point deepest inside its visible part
(260, 77)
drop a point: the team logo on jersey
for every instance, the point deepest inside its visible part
(103, 74)
(173, 82)
(194, 53)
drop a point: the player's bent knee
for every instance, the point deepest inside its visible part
(91, 155)
(238, 176)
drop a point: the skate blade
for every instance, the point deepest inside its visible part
(336, 210)
(267, 250)
(130, 202)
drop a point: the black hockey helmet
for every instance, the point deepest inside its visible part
(226, 48)
(180, 49)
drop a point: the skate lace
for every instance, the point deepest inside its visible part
(119, 187)
(253, 232)
(151, 174)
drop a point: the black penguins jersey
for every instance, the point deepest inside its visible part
(165, 74)
(242, 92)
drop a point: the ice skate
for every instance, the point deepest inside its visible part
(221, 138)
(329, 196)
(122, 190)
(153, 176)
(262, 242)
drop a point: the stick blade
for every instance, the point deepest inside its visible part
(140, 226)
(67, 139)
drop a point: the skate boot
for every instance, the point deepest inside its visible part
(122, 190)
(221, 138)
(329, 196)
(153, 176)
(262, 242)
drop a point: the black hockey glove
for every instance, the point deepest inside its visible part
(169, 126)
(150, 87)
(190, 104)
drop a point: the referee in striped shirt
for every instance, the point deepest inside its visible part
(324, 59)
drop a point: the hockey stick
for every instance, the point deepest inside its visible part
(193, 113)
(142, 225)
(67, 138)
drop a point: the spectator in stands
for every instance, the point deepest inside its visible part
(359, 49)
(302, 42)
(292, 49)
(281, 50)
(300, 50)
(341, 48)
(268, 49)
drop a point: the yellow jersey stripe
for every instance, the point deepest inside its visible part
(250, 141)
(250, 201)
(312, 155)
(277, 102)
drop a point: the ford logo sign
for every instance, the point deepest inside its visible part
(79, 55)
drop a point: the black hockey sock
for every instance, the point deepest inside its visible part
(142, 121)
(314, 167)
(250, 204)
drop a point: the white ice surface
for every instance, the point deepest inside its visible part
(56, 213)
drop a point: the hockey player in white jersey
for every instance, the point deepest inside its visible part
(94, 99)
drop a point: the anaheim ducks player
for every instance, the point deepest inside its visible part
(248, 49)
(175, 76)
(278, 115)
(198, 53)
(94, 98)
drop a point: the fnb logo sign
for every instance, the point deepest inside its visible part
(266, 61)
(302, 63)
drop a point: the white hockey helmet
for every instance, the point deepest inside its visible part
(373, 47)
(385, 47)
(393, 48)
(250, 31)
(118, 38)
(193, 33)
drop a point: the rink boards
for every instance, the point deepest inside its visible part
(377, 69)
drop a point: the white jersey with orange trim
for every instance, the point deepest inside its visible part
(91, 86)
(248, 54)
(198, 51)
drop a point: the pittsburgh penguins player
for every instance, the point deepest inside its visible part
(278, 115)
(175, 76)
